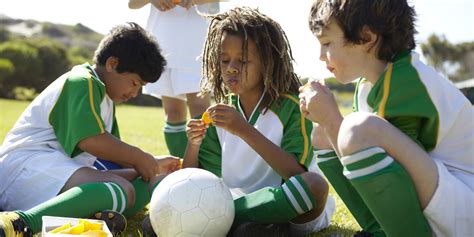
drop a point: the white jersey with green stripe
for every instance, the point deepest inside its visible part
(425, 106)
(241, 167)
(75, 106)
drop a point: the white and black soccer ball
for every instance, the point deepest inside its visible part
(191, 202)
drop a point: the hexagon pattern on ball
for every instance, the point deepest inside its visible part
(191, 202)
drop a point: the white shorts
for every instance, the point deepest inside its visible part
(41, 176)
(451, 209)
(174, 83)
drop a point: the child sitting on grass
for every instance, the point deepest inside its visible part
(46, 159)
(404, 163)
(259, 140)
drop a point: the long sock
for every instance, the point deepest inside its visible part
(142, 197)
(275, 205)
(388, 191)
(175, 138)
(332, 168)
(78, 202)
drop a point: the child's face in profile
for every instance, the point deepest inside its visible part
(243, 76)
(120, 87)
(124, 86)
(344, 60)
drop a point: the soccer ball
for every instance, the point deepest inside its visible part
(191, 202)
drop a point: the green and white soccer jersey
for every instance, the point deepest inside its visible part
(241, 167)
(425, 106)
(433, 113)
(45, 138)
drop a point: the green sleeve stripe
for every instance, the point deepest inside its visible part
(386, 90)
(91, 100)
(303, 132)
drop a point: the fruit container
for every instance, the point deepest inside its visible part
(97, 227)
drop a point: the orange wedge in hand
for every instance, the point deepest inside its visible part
(206, 118)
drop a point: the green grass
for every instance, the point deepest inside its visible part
(142, 127)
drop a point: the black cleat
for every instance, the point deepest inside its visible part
(116, 222)
(255, 229)
(363, 234)
(12, 225)
(147, 229)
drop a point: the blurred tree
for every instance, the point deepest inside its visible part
(6, 70)
(4, 34)
(27, 66)
(79, 55)
(456, 61)
(53, 59)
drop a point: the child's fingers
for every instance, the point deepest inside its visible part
(218, 118)
(196, 133)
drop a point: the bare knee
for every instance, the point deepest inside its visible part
(129, 191)
(319, 189)
(359, 131)
(86, 175)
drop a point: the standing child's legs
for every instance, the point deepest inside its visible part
(197, 104)
(175, 115)
(175, 125)
(393, 175)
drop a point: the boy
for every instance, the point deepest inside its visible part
(404, 157)
(46, 159)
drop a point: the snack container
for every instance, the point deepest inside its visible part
(52, 222)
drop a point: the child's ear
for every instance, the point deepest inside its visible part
(111, 64)
(369, 38)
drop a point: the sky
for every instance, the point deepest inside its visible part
(454, 19)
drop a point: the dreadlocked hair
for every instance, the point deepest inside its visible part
(272, 45)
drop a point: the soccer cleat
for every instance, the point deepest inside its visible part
(116, 222)
(12, 225)
(254, 229)
(363, 234)
(147, 229)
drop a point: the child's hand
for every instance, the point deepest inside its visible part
(226, 117)
(163, 5)
(167, 164)
(147, 167)
(186, 3)
(317, 103)
(196, 131)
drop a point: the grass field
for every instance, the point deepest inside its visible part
(142, 126)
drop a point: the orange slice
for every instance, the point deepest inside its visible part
(206, 118)
(74, 230)
(61, 228)
(90, 225)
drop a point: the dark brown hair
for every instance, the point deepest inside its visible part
(273, 49)
(137, 51)
(392, 20)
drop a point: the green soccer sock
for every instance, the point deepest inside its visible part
(332, 168)
(176, 138)
(78, 202)
(388, 191)
(142, 197)
(275, 205)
